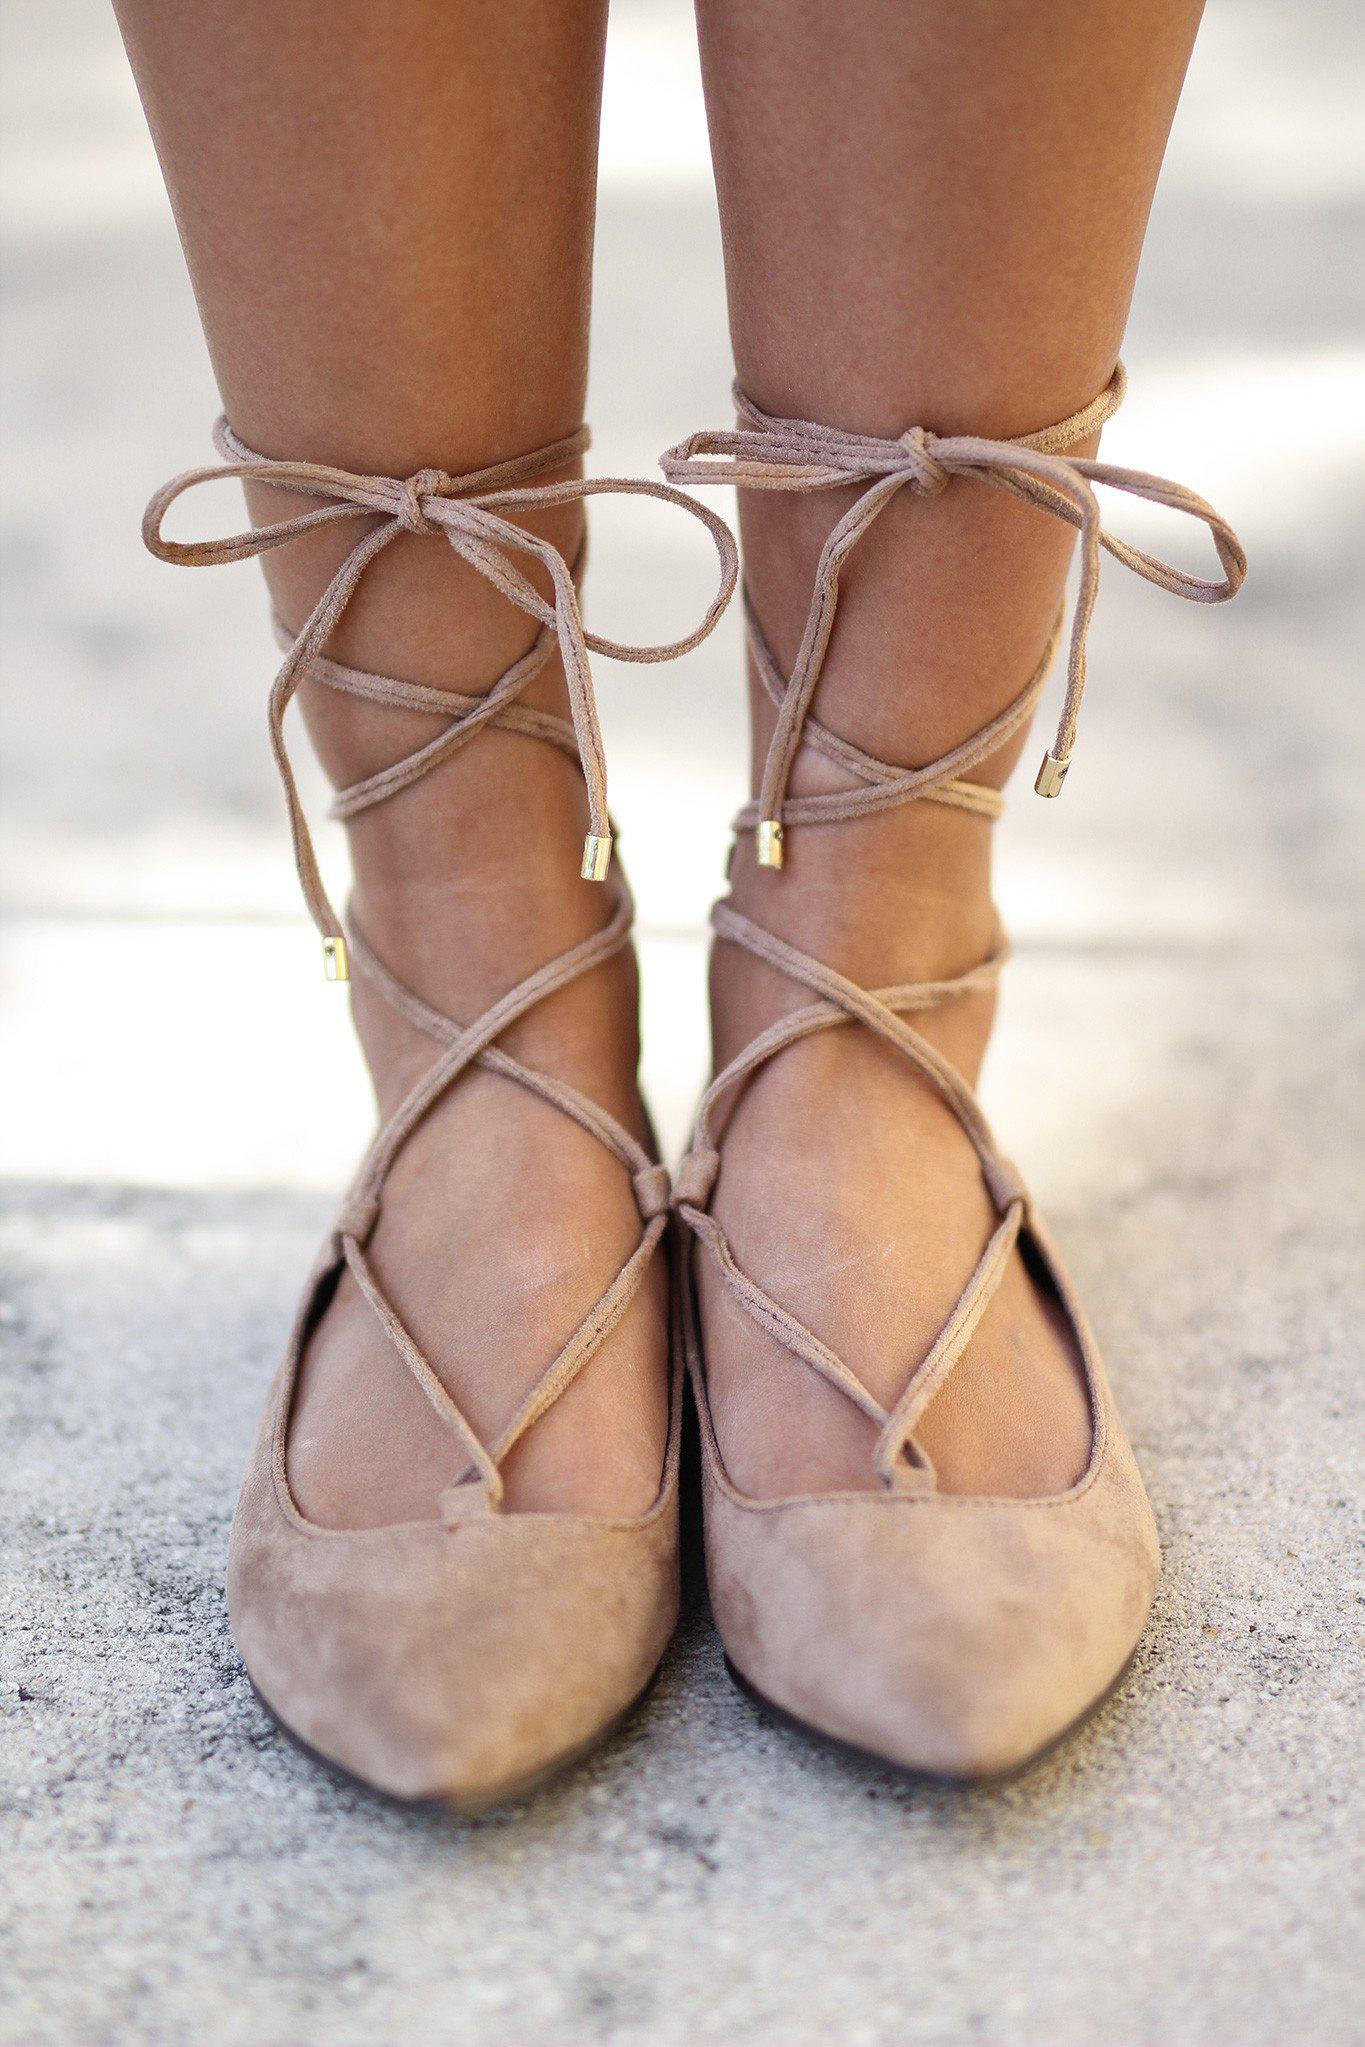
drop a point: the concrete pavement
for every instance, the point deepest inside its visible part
(1178, 1065)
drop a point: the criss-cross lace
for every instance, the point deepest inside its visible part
(783, 454)
(792, 454)
(476, 515)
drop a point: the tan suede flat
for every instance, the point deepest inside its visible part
(469, 1658)
(465, 1662)
(950, 1635)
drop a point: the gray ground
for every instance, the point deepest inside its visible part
(1179, 1065)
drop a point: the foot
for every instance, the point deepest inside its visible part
(850, 1193)
(502, 1221)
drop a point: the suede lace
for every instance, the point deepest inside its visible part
(476, 515)
(781, 454)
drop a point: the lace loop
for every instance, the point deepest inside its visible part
(476, 514)
(769, 453)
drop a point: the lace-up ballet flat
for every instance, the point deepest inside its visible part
(467, 1657)
(950, 1634)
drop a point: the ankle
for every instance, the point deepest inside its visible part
(887, 899)
(892, 896)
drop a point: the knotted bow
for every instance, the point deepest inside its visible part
(766, 453)
(476, 515)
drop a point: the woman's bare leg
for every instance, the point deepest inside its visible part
(932, 215)
(388, 212)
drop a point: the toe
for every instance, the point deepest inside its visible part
(454, 1664)
(953, 1636)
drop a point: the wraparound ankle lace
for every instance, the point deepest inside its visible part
(475, 1044)
(772, 454)
(473, 513)
(792, 454)
(476, 515)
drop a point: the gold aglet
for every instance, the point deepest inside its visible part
(596, 857)
(1052, 774)
(336, 960)
(770, 842)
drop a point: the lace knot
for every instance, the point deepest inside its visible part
(426, 483)
(927, 476)
(696, 1176)
(653, 1190)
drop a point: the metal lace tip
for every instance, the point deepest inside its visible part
(770, 842)
(596, 856)
(336, 959)
(1052, 774)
